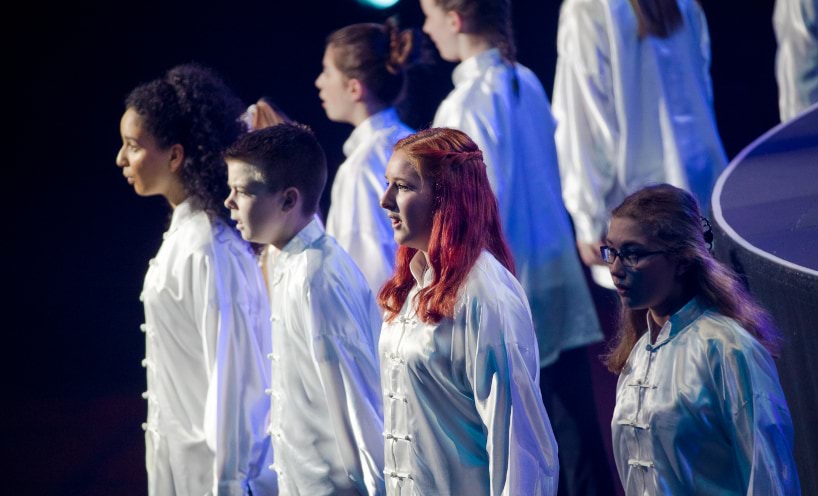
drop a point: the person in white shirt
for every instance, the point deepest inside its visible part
(796, 59)
(363, 76)
(699, 406)
(502, 106)
(206, 330)
(326, 416)
(634, 106)
(459, 364)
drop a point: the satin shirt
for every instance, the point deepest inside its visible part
(326, 416)
(796, 59)
(515, 132)
(206, 340)
(463, 413)
(356, 219)
(631, 112)
(701, 411)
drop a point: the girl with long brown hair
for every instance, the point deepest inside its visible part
(699, 407)
(459, 365)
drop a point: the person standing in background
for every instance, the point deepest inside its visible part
(206, 313)
(634, 106)
(363, 76)
(796, 61)
(502, 106)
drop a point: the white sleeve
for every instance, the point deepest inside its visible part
(796, 61)
(757, 419)
(587, 135)
(235, 336)
(347, 365)
(504, 378)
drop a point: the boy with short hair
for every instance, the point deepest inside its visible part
(326, 416)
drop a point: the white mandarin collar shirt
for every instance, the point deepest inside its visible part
(356, 219)
(206, 337)
(701, 411)
(631, 112)
(515, 132)
(326, 414)
(463, 413)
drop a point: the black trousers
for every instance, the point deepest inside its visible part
(569, 400)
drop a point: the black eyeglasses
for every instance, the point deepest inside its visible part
(628, 256)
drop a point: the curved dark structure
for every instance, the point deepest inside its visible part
(765, 212)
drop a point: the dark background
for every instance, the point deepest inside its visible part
(80, 238)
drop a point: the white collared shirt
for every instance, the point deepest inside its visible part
(326, 418)
(516, 135)
(631, 112)
(206, 337)
(701, 411)
(356, 219)
(463, 413)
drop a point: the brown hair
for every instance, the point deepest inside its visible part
(489, 18)
(465, 221)
(671, 216)
(659, 18)
(377, 55)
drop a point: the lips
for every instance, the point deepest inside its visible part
(396, 221)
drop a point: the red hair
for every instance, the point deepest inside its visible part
(465, 221)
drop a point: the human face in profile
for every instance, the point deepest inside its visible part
(654, 281)
(409, 203)
(335, 91)
(256, 210)
(149, 168)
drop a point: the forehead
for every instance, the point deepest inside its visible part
(241, 172)
(132, 123)
(625, 231)
(430, 7)
(400, 167)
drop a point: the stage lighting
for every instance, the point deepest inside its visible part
(378, 4)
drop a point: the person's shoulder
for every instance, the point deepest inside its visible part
(331, 268)
(723, 335)
(491, 283)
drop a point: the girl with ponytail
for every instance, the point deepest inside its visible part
(363, 77)
(699, 407)
(502, 106)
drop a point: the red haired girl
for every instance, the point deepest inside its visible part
(459, 364)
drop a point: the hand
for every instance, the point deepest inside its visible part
(589, 253)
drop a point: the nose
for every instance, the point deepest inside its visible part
(388, 200)
(425, 27)
(318, 81)
(229, 203)
(120, 157)
(617, 268)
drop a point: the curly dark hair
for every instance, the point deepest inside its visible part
(193, 107)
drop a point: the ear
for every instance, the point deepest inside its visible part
(682, 267)
(455, 22)
(356, 90)
(290, 199)
(177, 157)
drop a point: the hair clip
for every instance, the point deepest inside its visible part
(707, 231)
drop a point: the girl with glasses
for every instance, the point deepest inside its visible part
(699, 407)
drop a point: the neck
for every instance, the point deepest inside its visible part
(469, 45)
(365, 110)
(175, 195)
(295, 228)
(663, 312)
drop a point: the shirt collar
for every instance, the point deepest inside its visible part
(421, 270)
(305, 237)
(677, 322)
(472, 67)
(385, 118)
(181, 213)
